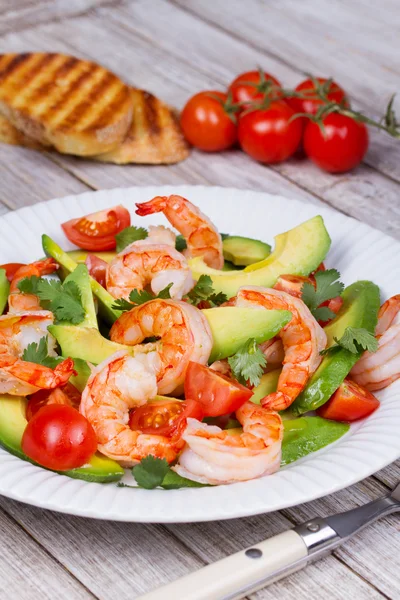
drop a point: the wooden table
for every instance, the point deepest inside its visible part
(175, 48)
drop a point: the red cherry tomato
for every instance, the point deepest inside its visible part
(312, 104)
(349, 403)
(97, 231)
(59, 438)
(252, 86)
(268, 135)
(206, 123)
(97, 268)
(11, 269)
(67, 395)
(341, 148)
(218, 394)
(165, 418)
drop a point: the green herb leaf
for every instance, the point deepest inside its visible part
(326, 288)
(39, 354)
(248, 362)
(165, 293)
(355, 340)
(180, 243)
(217, 299)
(129, 235)
(122, 304)
(173, 481)
(323, 313)
(63, 299)
(137, 297)
(202, 290)
(150, 472)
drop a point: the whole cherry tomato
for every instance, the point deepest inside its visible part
(206, 122)
(311, 104)
(269, 135)
(252, 86)
(58, 437)
(341, 147)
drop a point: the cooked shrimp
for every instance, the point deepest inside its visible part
(153, 261)
(17, 301)
(19, 377)
(214, 456)
(377, 370)
(273, 352)
(302, 338)
(183, 331)
(201, 235)
(115, 386)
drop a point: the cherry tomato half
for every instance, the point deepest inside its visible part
(67, 395)
(59, 438)
(252, 86)
(97, 268)
(206, 123)
(341, 148)
(165, 418)
(268, 135)
(97, 231)
(310, 105)
(11, 269)
(349, 403)
(218, 394)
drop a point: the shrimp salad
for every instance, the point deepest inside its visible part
(190, 356)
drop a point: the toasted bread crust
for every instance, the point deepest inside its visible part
(72, 104)
(154, 136)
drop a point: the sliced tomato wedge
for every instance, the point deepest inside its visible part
(165, 418)
(97, 231)
(11, 269)
(291, 284)
(218, 394)
(97, 268)
(68, 395)
(349, 403)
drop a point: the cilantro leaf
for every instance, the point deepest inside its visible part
(63, 299)
(326, 288)
(137, 297)
(39, 354)
(323, 313)
(150, 472)
(248, 362)
(201, 290)
(217, 299)
(355, 340)
(129, 235)
(180, 243)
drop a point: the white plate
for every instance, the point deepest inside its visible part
(358, 251)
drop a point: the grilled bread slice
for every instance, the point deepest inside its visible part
(74, 105)
(11, 135)
(154, 136)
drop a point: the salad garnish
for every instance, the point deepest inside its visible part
(326, 287)
(137, 297)
(38, 353)
(248, 363)
(63, 299)
(129, 235)
(355, 340)
(154, 472)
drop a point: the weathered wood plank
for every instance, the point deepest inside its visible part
(22, 14)
(348, 41)
(27, 571)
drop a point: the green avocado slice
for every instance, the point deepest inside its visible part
(360, 309)
(243, 251)
(298, 251)
(4, 290)
(85, 343)
(100, 469)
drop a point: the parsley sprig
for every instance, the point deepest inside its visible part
(355, 340)
(39, 354)
(154, 472)
(129, 235)
(247, 363)
(63, 299)
(326, 287)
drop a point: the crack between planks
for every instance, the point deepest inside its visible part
(11, 518)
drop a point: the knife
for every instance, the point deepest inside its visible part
(249, 570)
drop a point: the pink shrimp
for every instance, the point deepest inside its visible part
(18, 301)
(214, 456)
(302, 339)
(377, 370)
(201, 235)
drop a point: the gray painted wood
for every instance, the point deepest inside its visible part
(172, 51)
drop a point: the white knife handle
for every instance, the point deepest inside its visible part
(236, 575)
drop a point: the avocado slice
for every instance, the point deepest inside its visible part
(243, 251)
(84, 343)
(83, 373)
(105, 300)
(360, 309)
(4, 290)
(298, 252)
(100, 469)
(267, 385)
(80, 256)
(80, 276)
(232, 326)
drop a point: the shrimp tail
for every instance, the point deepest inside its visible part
(276, 401)
(157, 204)
(64, 371)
